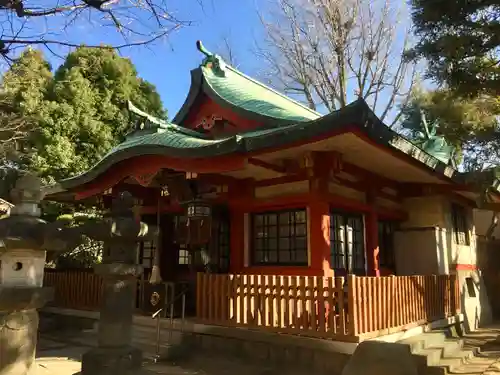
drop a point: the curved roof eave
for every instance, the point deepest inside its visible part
(182, 146)
(199, 83)
(194, 90)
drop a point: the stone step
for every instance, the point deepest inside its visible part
(426, 340)
(427, 356)
(449, 364)
(450, 346)
(436, 353)
(456, 363)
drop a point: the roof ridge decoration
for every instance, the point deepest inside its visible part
(147, 124)
(241, 94)
(212, 61)
(219, 67)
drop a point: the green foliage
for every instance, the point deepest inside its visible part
(461, 41)
(82, 112)
(22, 94)
(470, 124)
(71, 119)
(89, 252)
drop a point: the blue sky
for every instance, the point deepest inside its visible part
(168, 62)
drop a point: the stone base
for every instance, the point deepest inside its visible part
(112, 361)
(18, 337)
(381, 358)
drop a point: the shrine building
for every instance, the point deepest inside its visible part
(245, 180)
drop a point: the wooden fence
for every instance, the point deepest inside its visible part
(325, 307)
(384, 305)
(79, 290)
(361, 308)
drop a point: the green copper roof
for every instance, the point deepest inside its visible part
(156, 137)
(243, 92)
(231, 88)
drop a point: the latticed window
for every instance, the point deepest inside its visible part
(146, 253)
(279, 238)
(220, 243)
(386, 255)
(184, 257)
(347, 243)
(459, 221)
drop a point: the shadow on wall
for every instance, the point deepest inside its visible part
(488, 260)
(433, 307)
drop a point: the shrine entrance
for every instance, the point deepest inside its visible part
(180, 261)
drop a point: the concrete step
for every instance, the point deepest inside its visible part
(427, 356)
(460, 353)
(454, 363)
(435, 353)
(425, 340)
(450, 346)
(172, 347)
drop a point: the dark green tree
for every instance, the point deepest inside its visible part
(460, 40)
(84, 114)
(71, 120)
(23, 88)
(469, 124)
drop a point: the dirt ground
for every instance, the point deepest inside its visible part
(58, 356)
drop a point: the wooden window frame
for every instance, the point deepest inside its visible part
(222, 244)
(459, 219)
(184, 256)
(152, 247)
(275, 233)
(386, 254)
(347, 262)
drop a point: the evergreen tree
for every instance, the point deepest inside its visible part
(82, 114)
(460, 40)
(470, 124)
(70, 120)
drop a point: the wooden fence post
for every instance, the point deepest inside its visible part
(352, 305)
(199, 284)
(456, 294)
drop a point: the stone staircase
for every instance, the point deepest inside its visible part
(438, 353)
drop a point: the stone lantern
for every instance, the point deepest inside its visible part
(24, 239)
(120, 232)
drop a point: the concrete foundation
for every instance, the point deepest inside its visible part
(381, 358)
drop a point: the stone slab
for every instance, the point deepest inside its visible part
(111, 361)
(381, 358)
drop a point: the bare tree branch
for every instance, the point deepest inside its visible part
(330, 52)
(53, 22)
(227, 51)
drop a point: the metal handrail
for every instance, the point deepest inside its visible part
(174, 299)
(156, 316)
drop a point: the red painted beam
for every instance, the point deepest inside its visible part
(266, 165)
(152, 164)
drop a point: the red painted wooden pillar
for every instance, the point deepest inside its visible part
(319, 214)
(372, 245)
(319, 237)
(237, 229)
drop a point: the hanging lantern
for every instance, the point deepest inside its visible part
(199, 222)
(198, 209)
